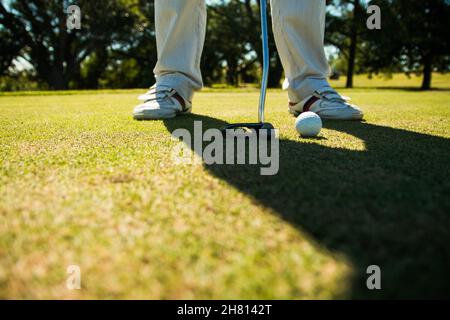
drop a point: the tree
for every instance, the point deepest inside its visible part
(57, 53)
(427, 46)
(234, 41)
(131, 64)
(254, 37)
(345, 25)
(414, 38)
(11, 47)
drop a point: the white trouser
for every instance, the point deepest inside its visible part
(298, 26)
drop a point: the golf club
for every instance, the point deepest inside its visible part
(260, 125)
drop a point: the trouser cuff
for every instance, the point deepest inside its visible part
(300, 90)
(179, 82)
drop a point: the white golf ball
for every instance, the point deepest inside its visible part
(308, 124)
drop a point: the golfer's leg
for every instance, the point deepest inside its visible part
(299, 27)
(180, 34)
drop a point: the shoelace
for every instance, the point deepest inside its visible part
(331, 95)
(157, 94)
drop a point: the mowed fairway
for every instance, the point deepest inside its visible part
(83, 184)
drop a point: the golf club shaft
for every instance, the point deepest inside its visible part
(265, 49)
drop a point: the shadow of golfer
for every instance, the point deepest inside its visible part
(387, 205)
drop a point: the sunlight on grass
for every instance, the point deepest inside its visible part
(82, 183)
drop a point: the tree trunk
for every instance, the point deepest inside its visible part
(96, 69)
(232, 76)
(57, 80)
(275, 73)
(351, 62)
(427, 71)
(353, 44)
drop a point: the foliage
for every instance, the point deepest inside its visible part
(116, 46)
(57, 53)
(415, 36)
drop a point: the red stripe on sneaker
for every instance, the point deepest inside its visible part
(179, 99)
(309, 103)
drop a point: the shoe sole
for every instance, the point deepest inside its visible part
(152, 116)
(353, 117)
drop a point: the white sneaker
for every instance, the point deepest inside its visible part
(328, 104)
(161, 102)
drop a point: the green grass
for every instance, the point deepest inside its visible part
(82, 183)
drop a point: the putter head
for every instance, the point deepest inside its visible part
(259, 127)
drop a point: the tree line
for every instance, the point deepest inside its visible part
(116, 48)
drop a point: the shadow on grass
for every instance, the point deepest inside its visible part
(387, 205)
